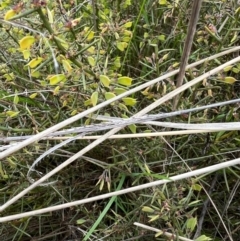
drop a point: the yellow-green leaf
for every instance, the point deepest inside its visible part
(165, 56)
(128, 25)
(11, 113)
(62, 41)
(35, 62)
(16, 99)
(81, 221)
(197, 187)
(203, 237)
(32, 96)
(191, 223)
(147, 209)
(26, 42)
(67, 66)
(105, 80)
(26, 54)
(90, 35)
(234, 37)
(119, 91)
(161, 37)
(122, 107)
(229, 80)
(9, 14)
(91, 61)
(158, 234)
(121, 45)
(74, 112)
(235, 70)
(129, 101)
(50, 15)
(88, 102)
(35, 74)
(94, 98)
(117, 62)
(57, 78)
(109, 95)
(127, 33)
(228, 68)
(133, 128)
(125, 81)
(154, 218)
(91, 50)
(9, 76)
(56, 90)
(162, 2)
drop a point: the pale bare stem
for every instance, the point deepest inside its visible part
(164, 233)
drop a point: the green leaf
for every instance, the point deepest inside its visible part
(94, 98)
(125, 81)
(105, 80)
(129, 101)
(133, 128)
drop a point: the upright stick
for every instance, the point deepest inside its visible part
(196, 6)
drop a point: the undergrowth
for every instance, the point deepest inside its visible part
(59, 58)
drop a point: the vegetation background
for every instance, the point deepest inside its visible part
(59, 58)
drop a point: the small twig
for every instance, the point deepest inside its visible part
(204, 209)
(167, 234)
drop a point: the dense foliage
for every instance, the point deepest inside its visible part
(59, 58)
